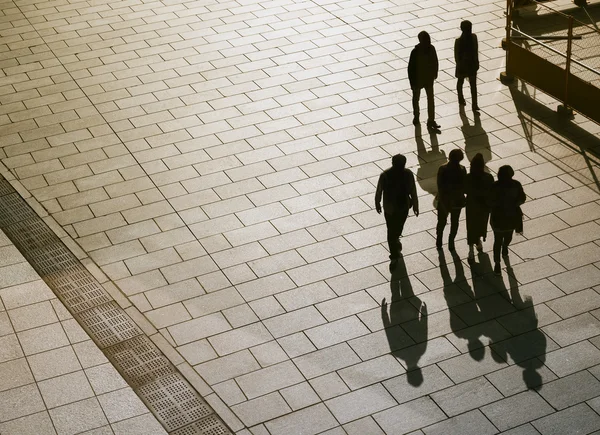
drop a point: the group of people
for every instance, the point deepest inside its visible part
(485, 200)
(423, 71)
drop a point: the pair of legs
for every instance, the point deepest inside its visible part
(395, 224)
(501, 241)
(442, 221)
(472, 85)
(430, 104)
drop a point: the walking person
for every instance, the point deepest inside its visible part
(397, 185)
(422, 72)
(451, 196)
(466, 56)
(478, 185)
(506, 198)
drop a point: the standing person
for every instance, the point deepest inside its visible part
(451, 196)
(466, 56)
(478, 185)
(506, 198)
(422, 72)
(397, 184)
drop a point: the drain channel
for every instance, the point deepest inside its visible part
(158, 383)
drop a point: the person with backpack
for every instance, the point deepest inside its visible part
(466, 56)
(397, 186)
(450, 197)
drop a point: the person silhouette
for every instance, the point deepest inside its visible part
(476, 138)
(478, 184)
(397, 186)
(451, 197)
(506, 198)
(466, 56)
(422, 72)
(401, 288)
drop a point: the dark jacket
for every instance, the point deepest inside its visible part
(398, 189)
(422, 66)
(466, 56)
(451, 186)
(505, 199)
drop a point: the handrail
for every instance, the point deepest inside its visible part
(557, 52)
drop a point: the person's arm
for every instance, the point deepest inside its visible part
(435, 62)
(378, 193)
(476, 54)
(521, 198)
(413, 194)
(456, 46)
(412, 67)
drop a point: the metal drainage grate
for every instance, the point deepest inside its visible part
(108, 323)
(141, 362)
(173, 402)
(207, 426)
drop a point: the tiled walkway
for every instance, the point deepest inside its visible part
(217, 162)
(53, 378)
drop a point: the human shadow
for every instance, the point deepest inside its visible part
(399, 313)
(457, 294)
(429, 161)
(527, 350)
(476, 138)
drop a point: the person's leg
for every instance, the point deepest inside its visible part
(473, 86)
(391, 221)
(454, 218)
(442, 220)
(415, 103)
(459, 91)
(498, 239)
(505, 242)
(430, 105)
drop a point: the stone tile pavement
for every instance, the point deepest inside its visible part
(217, 161)
(53, 378)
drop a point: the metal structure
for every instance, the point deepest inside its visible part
(556, 53)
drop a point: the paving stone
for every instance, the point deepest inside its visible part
(466, 396)
(409, 416)
(405, 388)
(370, 372)
(575, 303)
(300, 396)
(473, 422)
(312, 420)
(326, 360)
(336, 332)
(573, 358)
(362, 426)
(261, 409)
(578, 418)
(578, 256)
(516, 410)
(360, 403)
(574, 329)
(570, 390)
(301, 297)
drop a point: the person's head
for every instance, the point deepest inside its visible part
(399, 161)
(505, 173)
(477, 164)
(455, 156)
(466, 27)
(424, 38)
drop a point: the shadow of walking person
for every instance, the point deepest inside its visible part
(462, 296)
(476, 138)
(536, 341)
(400, 313)
(429, 161)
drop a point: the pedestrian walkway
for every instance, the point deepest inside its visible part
(53, 378)
(214, 164)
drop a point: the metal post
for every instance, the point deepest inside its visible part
(565, 110)
(506, 77)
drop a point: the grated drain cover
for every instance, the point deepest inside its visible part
(31, 234)
(77, 288)
(108, 323)
(51, 258)
(210, 425)
(5, 187)
(14, 209)
(140, 361)
(174, 402)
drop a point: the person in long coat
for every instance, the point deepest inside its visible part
(506, 198)
(422, 72)
(478, 185)
(466, 56)
(451, 196)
